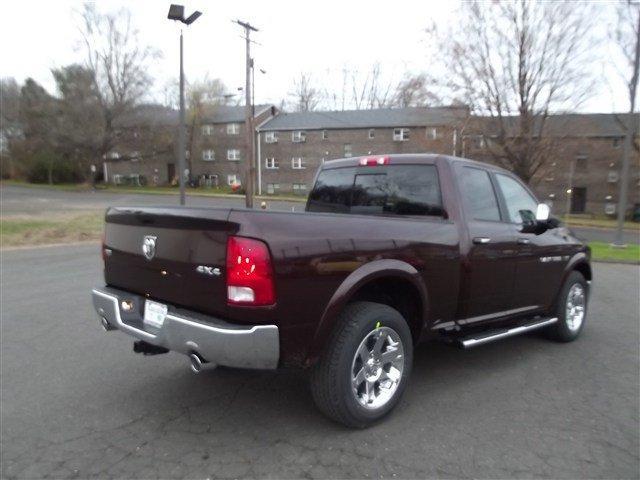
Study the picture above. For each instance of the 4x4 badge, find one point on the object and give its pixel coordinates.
(149, 246)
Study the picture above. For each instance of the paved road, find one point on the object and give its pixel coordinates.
(26, 200)
(31, 200)
(76, 402)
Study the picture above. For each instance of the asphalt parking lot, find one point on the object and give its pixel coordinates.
(78, 403)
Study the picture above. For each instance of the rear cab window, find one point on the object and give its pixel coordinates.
(478, 195)
(381, 190)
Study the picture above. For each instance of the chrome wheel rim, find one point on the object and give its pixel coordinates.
(576, 300)
(376, 369)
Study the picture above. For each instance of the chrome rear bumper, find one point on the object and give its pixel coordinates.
(214, 340)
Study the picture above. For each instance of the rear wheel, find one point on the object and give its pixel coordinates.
(365, 368)
(572, 309)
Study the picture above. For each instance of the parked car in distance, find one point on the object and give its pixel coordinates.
(391, 251)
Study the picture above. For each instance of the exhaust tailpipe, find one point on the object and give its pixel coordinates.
(106, 326)
(197, 363)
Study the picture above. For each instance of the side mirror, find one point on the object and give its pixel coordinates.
(542, 212)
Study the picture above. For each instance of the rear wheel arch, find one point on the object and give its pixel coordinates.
(362, 285)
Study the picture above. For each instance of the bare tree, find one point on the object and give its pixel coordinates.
(415, 91)
(626, 37)
(119, 65)
(305, 97)
(10, 124)
(203, 97)
(517, 62)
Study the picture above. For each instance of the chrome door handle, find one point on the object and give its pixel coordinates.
(481, 240)
(524, 241)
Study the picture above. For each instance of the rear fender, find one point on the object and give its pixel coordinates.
(357, 279)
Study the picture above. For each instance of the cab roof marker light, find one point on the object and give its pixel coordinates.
(373, 161)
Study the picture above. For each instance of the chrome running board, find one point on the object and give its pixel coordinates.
(480, 339)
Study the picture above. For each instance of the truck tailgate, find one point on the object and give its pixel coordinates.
(179, 240)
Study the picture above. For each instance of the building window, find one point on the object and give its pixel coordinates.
(612, 176)
(372, 133)
(297, 163)
(432, 133)
(232, 179)
(233, 128)
(347, 150)
(271, 137)
(300, 188)
(400, 134)
(581, 162)
(208, 155)
(271, 163)
(272, 188)
(207, 130)
(616, 143)
(325, 134)
(135, 156)
(233, 154)
(298, 136)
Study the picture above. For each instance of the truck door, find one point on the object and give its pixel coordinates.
(489, 264)
(540, 257)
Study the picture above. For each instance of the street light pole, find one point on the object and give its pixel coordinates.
(181, 132)
(176, 12)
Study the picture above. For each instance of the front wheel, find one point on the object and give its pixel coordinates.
(364, 370)
(572, 309)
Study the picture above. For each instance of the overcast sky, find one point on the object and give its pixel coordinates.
(321, 38)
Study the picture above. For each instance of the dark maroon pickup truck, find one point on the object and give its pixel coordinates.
(391, 251)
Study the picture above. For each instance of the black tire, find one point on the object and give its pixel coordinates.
(332, 376)
(561, 330)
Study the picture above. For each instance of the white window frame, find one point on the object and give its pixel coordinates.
(233, 129)
(271, 163)
(272, 188)
(348, 154)
(207, 130)
(233, 154)
(208, 155)
(232, 179)
(297, 163)
(400, 134)
(298, 136)
(431, 133)
(270, 137)
(371, 134)
(299, 187)
(325, 135)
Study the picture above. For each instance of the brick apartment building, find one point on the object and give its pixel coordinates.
(291, 146)
(146, 151)
(587, 159)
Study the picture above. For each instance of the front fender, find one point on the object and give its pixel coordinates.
(368, 272)
(579, 261)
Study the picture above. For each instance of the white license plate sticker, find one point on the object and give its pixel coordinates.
(154, 313)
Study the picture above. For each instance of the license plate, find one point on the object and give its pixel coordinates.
(154, 313)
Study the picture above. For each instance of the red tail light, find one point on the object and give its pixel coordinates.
(373, 161)
(249, 273)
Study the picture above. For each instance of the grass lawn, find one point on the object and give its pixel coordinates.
(23, 230)
(604, 251)
(598, 223)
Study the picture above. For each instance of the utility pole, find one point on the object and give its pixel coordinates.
(248, 113)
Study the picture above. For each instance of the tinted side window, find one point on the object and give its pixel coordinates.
(479, 197)
(520, 204)
(332, 191)
(396, 189)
